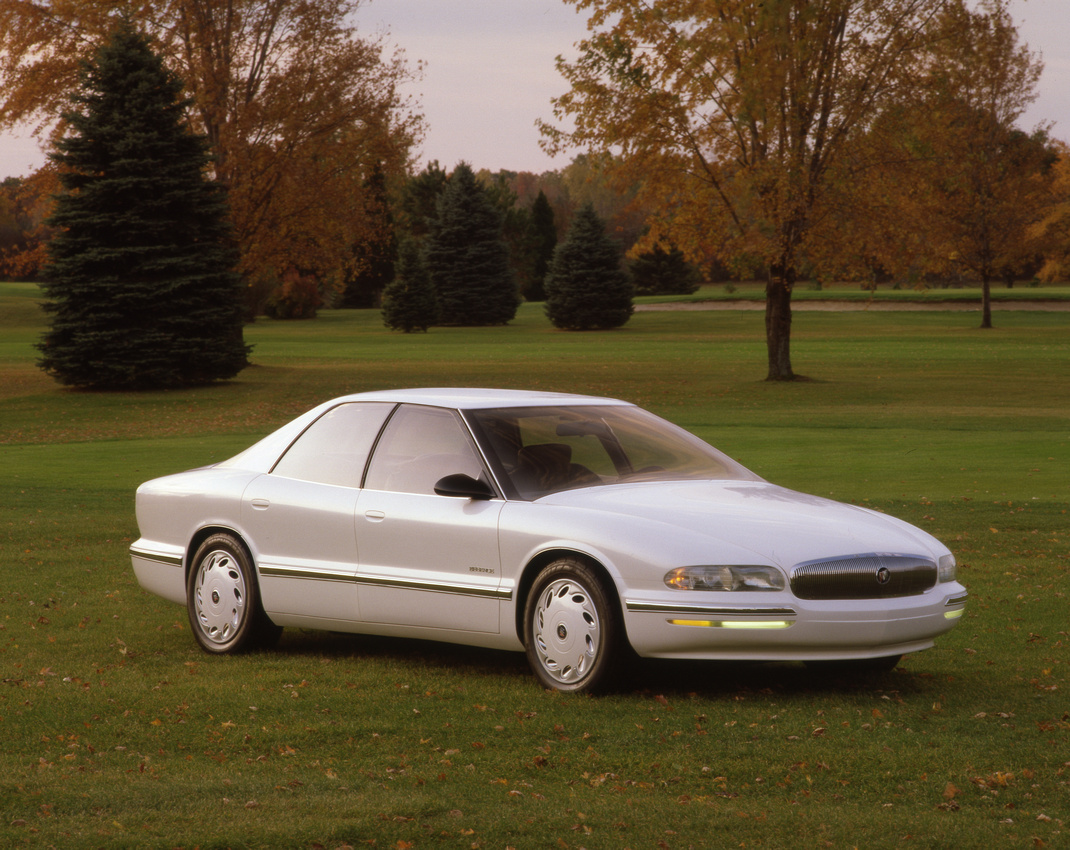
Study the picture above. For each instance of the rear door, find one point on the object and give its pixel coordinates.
(300, 517)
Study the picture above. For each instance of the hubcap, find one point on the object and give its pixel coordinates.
(566, 630)
(219, 597)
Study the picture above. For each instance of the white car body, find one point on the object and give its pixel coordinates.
(331, 554)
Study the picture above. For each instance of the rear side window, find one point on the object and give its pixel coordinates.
(334, 449)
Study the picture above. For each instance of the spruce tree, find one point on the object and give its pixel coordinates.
(409, 302)
(141, 287)
(586, 288)
(661, 272)
(373, 258)
(544, 240)
(467, 258)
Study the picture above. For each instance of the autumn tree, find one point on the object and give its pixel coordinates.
(24, 234)
(1052, 231)
(984, 200)
(586, 288)
(12, 227)
(140, 283)
(467, 257)
(734, 116)
(985, 181)
(599, 181)
(298, 108)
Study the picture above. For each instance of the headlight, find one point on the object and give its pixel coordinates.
(725, 578)
(946, 568)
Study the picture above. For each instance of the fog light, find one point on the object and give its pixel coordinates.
(733, 624)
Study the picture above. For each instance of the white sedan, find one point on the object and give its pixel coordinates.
(575, 528)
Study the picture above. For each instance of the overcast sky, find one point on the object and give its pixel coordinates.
(489, 75)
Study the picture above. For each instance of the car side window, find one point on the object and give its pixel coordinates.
(419, 446)
(334, 449)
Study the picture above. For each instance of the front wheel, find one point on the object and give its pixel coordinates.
(571, 628)
(223, 600)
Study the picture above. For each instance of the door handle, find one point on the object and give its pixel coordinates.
(261, 504)
(375, 516)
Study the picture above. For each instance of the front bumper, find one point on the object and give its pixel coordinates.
(668, 626)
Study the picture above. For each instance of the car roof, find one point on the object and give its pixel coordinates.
(263, 454)
(475, 398)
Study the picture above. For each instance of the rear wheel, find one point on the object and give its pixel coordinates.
(571, 628)
(223, 600)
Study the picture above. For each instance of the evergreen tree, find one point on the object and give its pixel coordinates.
(372, 264)
(140, 282)
(516, 225)
(586, 288)
(419, 199)
(661, 272)
(544, 239)
(409, 302)
(467, 259)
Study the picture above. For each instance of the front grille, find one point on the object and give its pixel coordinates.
(863, 577)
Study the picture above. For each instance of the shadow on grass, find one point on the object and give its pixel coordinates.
(706, 679)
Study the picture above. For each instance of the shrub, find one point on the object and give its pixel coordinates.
(661, 272)
(297, 297)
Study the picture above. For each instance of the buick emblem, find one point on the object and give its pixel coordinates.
(884, 575)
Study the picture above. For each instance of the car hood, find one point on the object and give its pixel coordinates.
(776, 524)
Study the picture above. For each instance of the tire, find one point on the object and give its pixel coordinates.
(223, 599)
(572, 628)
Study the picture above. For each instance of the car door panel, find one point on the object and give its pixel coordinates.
(427, 561)
(305, 546)
(300, 517)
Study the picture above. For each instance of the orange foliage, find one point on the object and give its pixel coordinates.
(297, 107)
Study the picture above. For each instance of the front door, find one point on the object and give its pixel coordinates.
(427, 561)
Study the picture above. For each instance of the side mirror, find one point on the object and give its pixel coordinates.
(464, 487)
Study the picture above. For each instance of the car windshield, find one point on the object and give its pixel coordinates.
(541, 450)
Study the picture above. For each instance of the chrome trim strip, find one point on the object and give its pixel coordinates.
(710, 610)
(504, 594)
(957, 600)
(304, 573)
(168, 560)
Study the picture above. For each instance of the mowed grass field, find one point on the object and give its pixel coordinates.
(115, 731)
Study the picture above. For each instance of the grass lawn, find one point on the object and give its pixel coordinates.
(853, 292)
(118, 732)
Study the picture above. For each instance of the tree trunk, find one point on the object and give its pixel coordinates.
(986, 303)
(778, 322)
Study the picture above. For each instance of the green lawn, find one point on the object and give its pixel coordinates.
(807, 291)
(118, 732)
